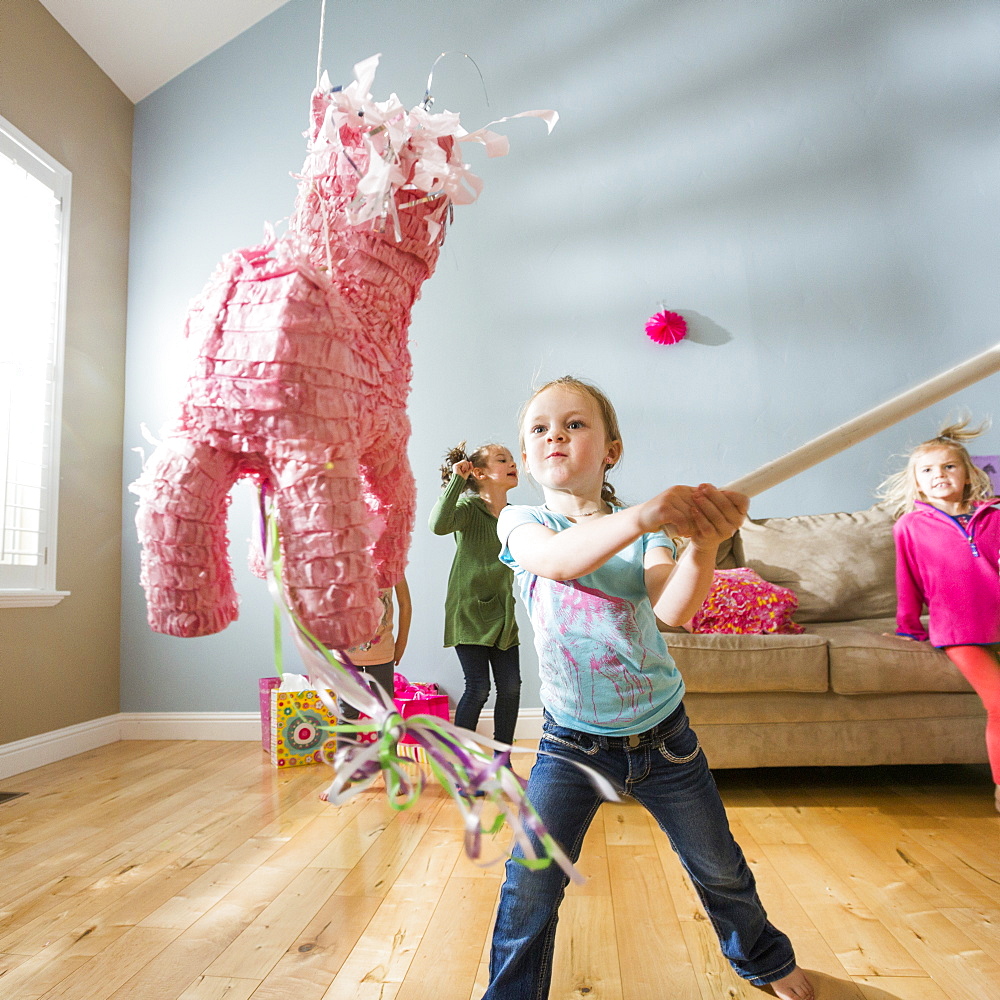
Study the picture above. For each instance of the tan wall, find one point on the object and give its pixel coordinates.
(59, 666)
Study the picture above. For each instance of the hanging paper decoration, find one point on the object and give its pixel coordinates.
(475, 771)
(303, 372)
(666, 327)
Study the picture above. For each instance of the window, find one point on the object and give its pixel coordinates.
(34, 207)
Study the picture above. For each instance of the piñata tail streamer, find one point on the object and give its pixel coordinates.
(473, 770)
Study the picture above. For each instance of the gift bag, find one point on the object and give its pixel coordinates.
(265, 686)
(299, 728)
(423, 704)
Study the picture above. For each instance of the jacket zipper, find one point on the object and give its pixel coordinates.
(969, 534)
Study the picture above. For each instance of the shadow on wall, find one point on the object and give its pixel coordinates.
(702, 330)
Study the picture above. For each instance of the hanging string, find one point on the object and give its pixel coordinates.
(319, 54)
(428, 101)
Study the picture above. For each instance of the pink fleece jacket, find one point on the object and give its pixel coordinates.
(952, 570)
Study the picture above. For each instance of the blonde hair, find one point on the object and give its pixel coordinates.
(900, 491)
(478, 458)
(608, 416)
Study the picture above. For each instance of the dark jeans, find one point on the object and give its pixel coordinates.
(476, 663)
(381, 672)
(666, 772)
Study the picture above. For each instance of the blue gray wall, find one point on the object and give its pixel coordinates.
(813, 185)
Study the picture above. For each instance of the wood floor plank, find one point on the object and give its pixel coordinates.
(655, 952)
(103, 910)
(439, 855)
(351, 843)
(187, 904)
(379, 867)
(256, 950)
(194, 871)
(191, 951)
(378, 963)
(482, 980)
(794, 916)
(457, 927)
(101, 976)
(35, 975)
(586, 962)
(890, 988)
(948, 956)
(314, 958)
(17, 911)
(979, 925)
(212, 988)
(626, 824)
(863, 946)
(936, 878)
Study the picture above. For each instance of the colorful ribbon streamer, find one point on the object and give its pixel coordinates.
(473, 770)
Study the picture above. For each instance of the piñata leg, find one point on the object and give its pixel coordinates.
(325, 534)
(390, 483)
(183, 503)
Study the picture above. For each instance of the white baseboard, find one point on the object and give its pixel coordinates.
(47, 748)
(529, 724)
(190, 726)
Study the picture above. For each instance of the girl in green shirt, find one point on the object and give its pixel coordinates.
(479, 607)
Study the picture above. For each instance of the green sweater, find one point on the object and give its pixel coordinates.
(479, 608)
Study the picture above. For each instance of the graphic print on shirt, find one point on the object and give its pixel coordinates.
(385, 596)
(590, 641)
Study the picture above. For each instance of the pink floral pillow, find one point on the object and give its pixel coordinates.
(741, 601)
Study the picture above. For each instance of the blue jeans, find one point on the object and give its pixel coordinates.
(476, 663)
(666, 772)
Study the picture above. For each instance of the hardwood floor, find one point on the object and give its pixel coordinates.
(195, 871)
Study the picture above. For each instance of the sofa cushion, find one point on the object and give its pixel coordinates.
(747, 663)
(730, 554)
(865, 661)
(841, 566)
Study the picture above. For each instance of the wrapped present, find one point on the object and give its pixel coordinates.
(300, 728)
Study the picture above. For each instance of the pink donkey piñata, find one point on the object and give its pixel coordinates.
(303, 373)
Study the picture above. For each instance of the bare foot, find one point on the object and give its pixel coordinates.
(324, 796)
(794, 986)
(996, 798)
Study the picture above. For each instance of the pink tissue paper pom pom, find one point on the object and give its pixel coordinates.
(666, 327)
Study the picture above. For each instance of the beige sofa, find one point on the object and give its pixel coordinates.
(843, 692)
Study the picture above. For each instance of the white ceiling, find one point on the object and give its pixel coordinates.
(141, 44)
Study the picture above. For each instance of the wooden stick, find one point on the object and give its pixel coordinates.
(883, 416)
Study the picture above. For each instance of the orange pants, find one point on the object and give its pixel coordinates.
(980, 666)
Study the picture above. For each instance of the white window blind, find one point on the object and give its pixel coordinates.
(34, 226)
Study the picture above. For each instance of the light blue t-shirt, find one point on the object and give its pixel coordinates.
(604, 665)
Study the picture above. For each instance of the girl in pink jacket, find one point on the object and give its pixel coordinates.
(947, 550)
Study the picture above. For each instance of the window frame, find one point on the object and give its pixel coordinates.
(15, 145)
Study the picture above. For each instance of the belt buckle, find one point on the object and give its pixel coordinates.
(633, 741)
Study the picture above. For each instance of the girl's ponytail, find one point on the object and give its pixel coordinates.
(478, 458)
(956, 434)
(452, 457)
